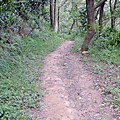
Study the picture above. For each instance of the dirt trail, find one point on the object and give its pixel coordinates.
(69, 89)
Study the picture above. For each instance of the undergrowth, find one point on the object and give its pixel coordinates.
(78, 40)
(106, 47)
(104, 53)
(20, 65)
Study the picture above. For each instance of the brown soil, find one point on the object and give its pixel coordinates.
(70, 92)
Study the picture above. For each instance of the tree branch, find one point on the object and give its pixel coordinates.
(115, 4)
(99, 4)
(62, 4)
(111, 9)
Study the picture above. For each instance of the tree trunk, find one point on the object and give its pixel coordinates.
(99, 4)
(55, 17)
(74, 10)
(58, 19)
(52, 14)
(112, 9)
(71, 26)
(90, 25)
(58, 15)
(101, 17)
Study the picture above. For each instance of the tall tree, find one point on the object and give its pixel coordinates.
(90, 25)
(90, 8)
(53, 18)
(112, 10)
(52, 14)
(101, 9)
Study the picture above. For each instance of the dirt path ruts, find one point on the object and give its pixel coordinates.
(69, 89)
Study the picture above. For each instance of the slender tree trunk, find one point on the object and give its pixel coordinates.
(58, 19)
(42, 5)
(53, 18)
(90, 24)
(97, 13)
(99, 4)
(55, 21)
(112, 17)
(112, 9)
(52, 14)
(101, 16)
(58, 14)
(71, 26)
(74, 10)
(54, 10)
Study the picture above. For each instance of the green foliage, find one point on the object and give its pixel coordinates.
(20, 65)
(20, 58)
(65, 23)
(76, 13)
(115, 95)
(106, 47)
(78, 36)
(14, 13)
(98, 69)
(83, 16)
(4, 2)
(78, 42)
(110, 37)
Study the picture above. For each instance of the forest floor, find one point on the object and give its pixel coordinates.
(70, 91)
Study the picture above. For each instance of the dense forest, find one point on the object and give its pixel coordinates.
(30, 29)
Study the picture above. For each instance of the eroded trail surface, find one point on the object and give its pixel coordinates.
(69, 89)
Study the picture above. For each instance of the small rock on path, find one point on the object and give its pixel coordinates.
(69, 89)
